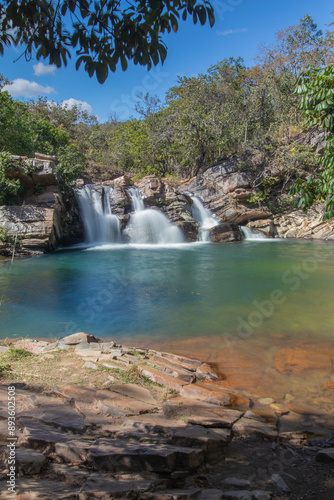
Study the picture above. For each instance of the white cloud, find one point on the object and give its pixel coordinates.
(70, 103)
(41, 69)
(23, 88)
(231, 32)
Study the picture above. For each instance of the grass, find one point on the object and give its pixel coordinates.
(57, 367)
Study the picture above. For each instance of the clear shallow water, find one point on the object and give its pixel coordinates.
(175, 292)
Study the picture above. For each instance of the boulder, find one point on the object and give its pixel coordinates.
(225, 233)
(77, 338)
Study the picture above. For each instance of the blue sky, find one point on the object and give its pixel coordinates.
(241, 25)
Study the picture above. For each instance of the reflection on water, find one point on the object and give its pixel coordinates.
(236, 305)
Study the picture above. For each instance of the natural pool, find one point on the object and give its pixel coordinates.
(235, 305)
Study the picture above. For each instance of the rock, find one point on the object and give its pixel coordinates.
(40, 227)
(205, 372)
(238, 495)
(136, 392)
(37, 434)
(73, 476)
(173, 370)
(266, 401)
(189, 229)
(161, 378)
(74, 450)
(280, 483)
(211, 494)
(325, 455)
(299, 360)
(253, 424)
(120, 487)
(77, 392)
(123, 456)
(241, 215)
(29, 461)
(225, 233)
(77, 338)
(262, 495)
(201, 413)
(237, 482)
(212, 441)
(33, 346)
(33, 489)
(216, 397)
(54, 413)
(266, 226)
(194, 494)
(181, 360)
(129, 404)
(90, 366)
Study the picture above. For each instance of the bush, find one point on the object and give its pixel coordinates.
(10, 189)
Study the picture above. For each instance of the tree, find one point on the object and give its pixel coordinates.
(316, 88)
(298, 47)
(103, 33)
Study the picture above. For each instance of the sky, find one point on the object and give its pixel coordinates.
(241, 26)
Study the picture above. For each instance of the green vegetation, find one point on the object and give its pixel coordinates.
(103, 33)
(316, 88)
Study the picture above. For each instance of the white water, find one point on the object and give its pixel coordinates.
(100, 224)
(148, 226)
(251, 235)
(204, 217)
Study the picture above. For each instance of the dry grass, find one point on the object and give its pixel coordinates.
(57, 367)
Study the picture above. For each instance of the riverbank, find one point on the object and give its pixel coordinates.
(112, 421)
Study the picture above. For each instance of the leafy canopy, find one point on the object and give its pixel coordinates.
(316, 88)
(102, 33)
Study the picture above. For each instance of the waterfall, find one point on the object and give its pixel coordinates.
(100, 225)
(150, 226)
(204, 217)
(252, 235)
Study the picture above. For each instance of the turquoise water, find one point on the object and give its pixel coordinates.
(177, 292)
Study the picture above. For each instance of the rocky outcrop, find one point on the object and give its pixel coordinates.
(35, 224)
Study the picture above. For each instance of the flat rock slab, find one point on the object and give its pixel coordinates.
(38, 434)
(58, 415)
(162, 378)
(73, 476)
(201, 413)
(32, 489)
(76, 392)
(120, 487)
(173, 370)
(181, 359)
(136, 392)
(115, 455)
(212, 441)
(200, 393)
(193, 494)
(252, 424)
(128, 405)
(32, 346)
(211, 494)
(29, 461)
(74, 450)
(326, 455)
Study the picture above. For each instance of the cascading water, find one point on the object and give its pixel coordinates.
(149, 226)
(204, 217)
(250, 235)
(100, 225)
